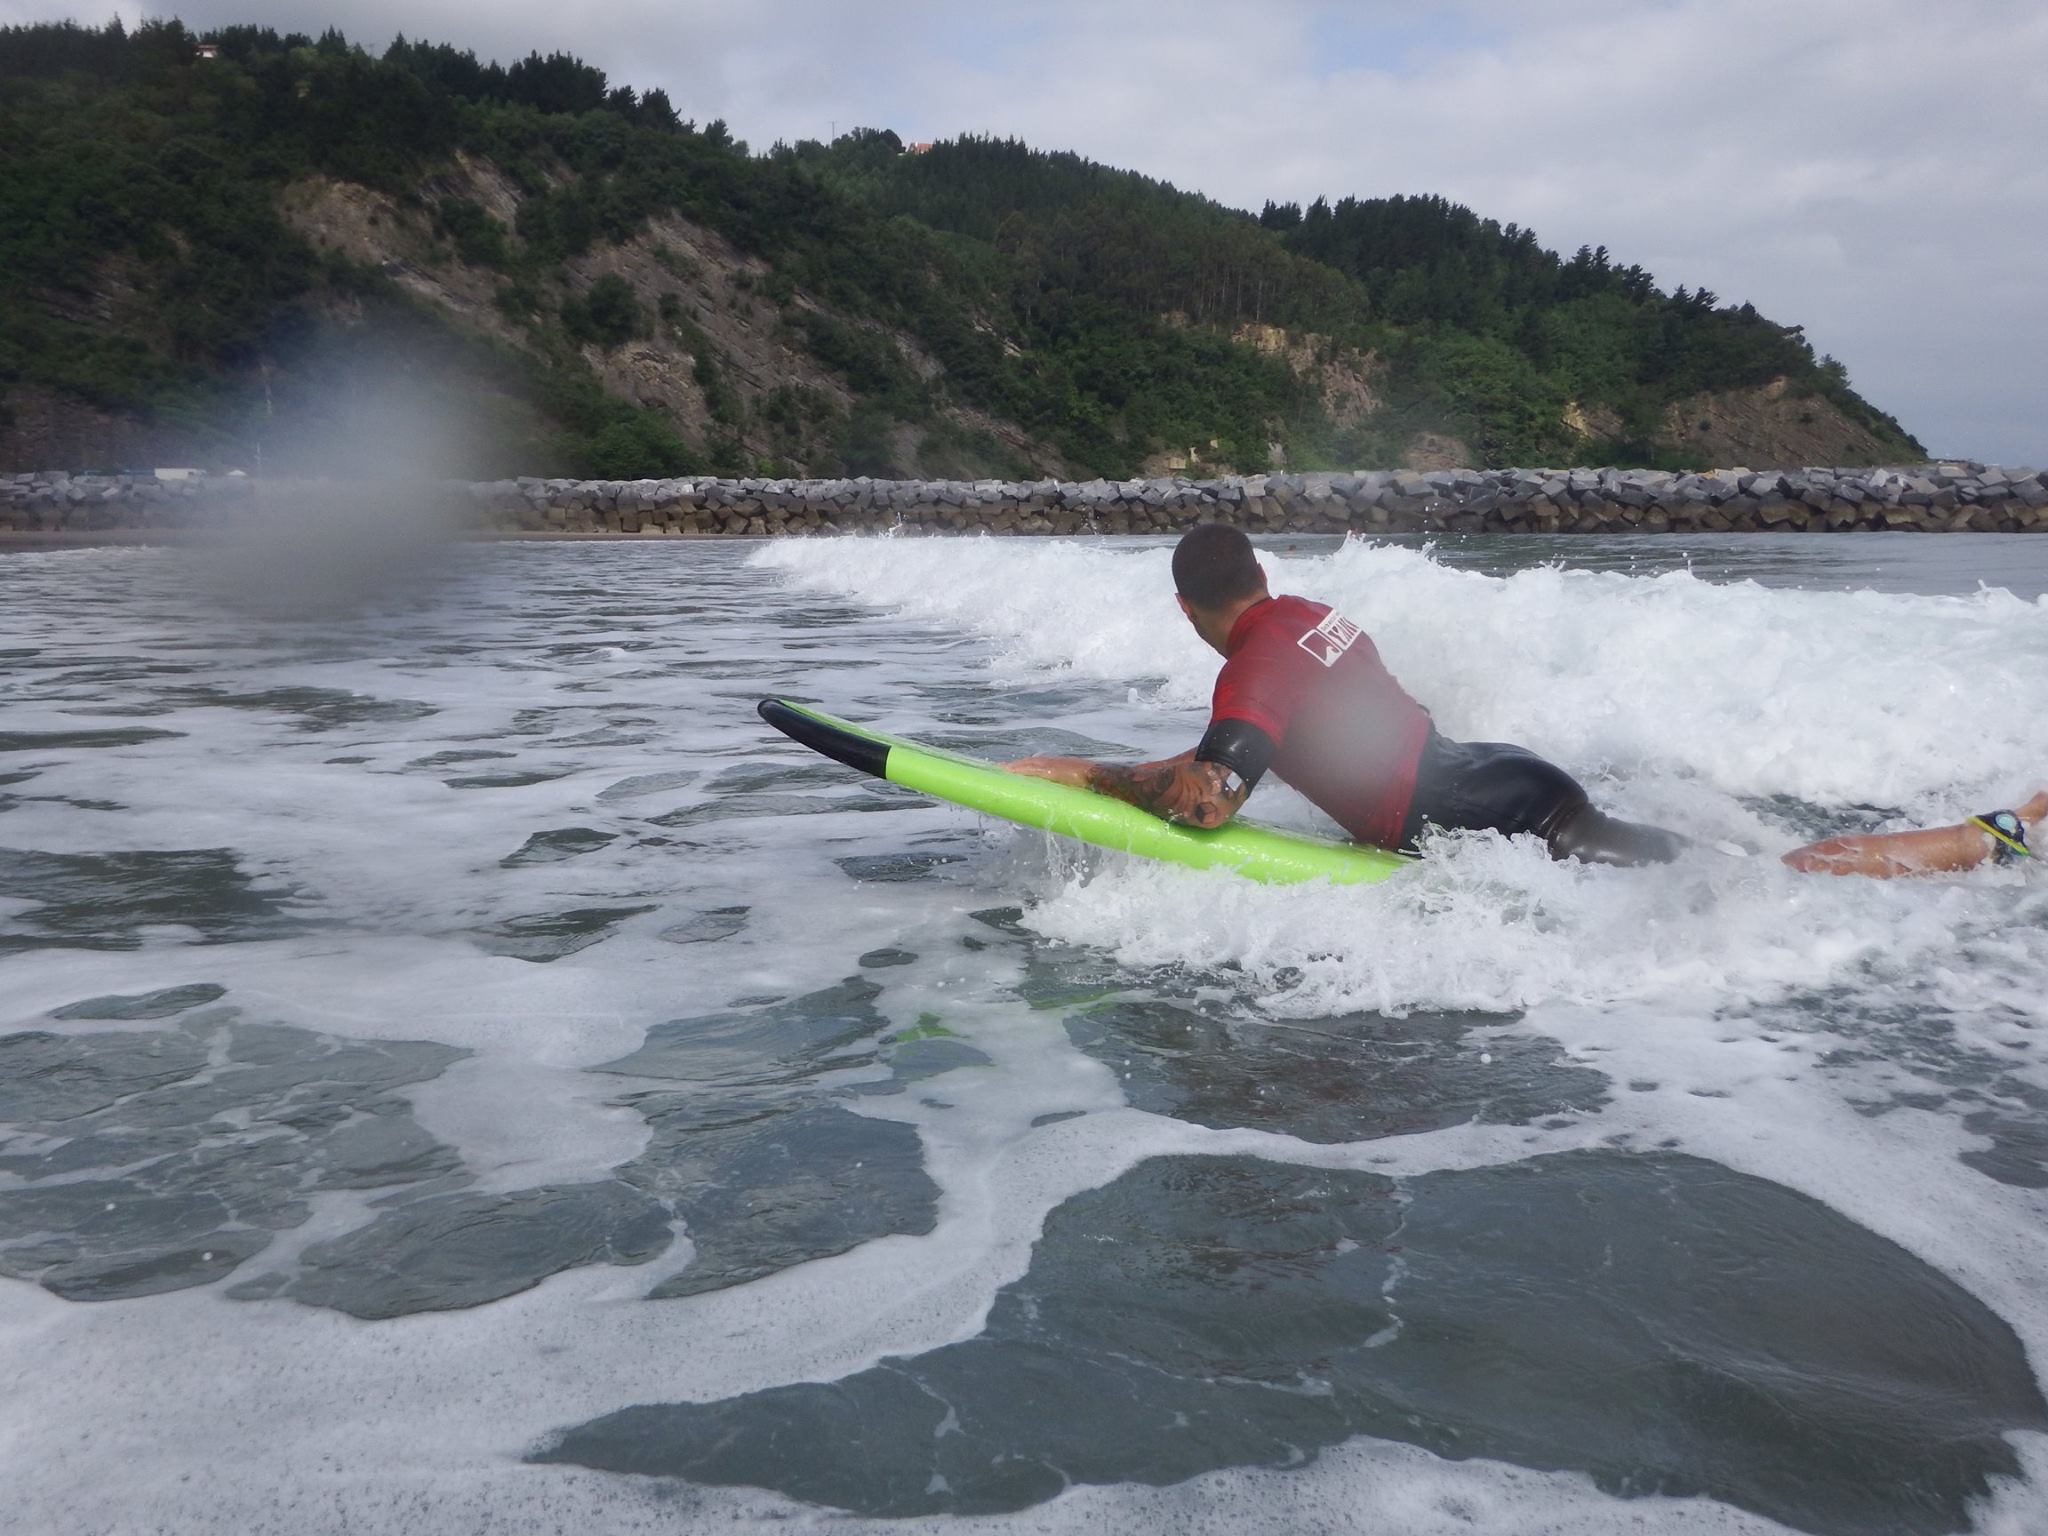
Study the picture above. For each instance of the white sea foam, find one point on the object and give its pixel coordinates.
(1834, 697)
(1722, 989)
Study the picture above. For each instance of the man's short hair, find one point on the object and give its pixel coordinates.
(1214, 566)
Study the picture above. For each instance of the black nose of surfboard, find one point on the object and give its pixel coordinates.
(826, 736)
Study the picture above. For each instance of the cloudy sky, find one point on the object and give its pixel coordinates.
(1876, 170)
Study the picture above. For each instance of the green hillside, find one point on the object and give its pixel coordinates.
(208, 245)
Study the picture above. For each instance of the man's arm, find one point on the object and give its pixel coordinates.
(1175, 788)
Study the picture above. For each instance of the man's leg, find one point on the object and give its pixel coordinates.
(1495, 786)
(1593, 837)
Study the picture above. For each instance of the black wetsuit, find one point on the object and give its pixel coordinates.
(1491, 785)
(1303, 692)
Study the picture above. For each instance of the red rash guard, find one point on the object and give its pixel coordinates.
(1347, 735)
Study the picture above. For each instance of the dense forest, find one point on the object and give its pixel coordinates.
(1021, 309)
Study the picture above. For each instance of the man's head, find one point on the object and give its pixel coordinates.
(1217, 577)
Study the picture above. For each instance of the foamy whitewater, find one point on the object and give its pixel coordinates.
(459, 1070)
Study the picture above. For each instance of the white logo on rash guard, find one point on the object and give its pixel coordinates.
(1330, 639)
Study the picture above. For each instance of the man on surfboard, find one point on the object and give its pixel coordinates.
(1303, 693)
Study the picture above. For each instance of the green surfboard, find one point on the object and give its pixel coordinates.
(1248, 849)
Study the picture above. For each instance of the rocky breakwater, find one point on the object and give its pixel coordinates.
(1945, 497)
(59, 503)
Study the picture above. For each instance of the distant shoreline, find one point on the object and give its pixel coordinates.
(61, 510)
(159, 538)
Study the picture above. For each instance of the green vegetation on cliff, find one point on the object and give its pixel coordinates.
(1005, 308)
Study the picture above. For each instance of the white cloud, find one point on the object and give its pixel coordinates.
(1869, 168)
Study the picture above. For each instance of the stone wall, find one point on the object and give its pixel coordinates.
(1947, 497)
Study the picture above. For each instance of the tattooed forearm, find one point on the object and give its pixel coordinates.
(1178, 789)
(1197, 794)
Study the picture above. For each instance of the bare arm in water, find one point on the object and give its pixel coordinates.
(1936, 850)
(1175, 788)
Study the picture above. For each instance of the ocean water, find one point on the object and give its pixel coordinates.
(459, 1070)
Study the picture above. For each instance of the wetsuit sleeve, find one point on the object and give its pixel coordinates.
(1239, 746)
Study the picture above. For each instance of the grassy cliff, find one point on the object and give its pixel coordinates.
(212, 257)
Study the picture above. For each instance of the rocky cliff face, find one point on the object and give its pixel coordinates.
(718, 356)
(713, 282)
(714, 351)
(715, 355)
(45, 428)
(1769, 425)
